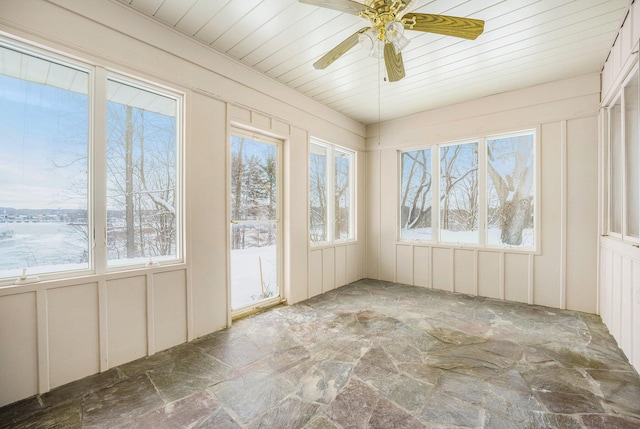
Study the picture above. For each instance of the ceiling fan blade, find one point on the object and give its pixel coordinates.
(345, 6)
(467, 28)
(393, 61)
(339, 50)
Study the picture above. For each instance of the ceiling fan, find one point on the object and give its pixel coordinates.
(385, 37)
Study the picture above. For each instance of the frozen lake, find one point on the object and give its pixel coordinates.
(41, 245)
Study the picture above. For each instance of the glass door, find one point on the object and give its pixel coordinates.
(255, 225)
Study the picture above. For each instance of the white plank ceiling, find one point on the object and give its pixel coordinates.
(525, 42)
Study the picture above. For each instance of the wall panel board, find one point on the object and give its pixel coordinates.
(490, 274)
(516, 277)
(582, 224)
(421, 266)
(315, 272)
(18, 347)
(465, 271)
(126, 319)
(207, 227)
(441, 265)
(73, 333)
(404, 264)
(341, 265)
(170, 309)
(547, 263)
(328, 269)
(634, 349)
(352, 263)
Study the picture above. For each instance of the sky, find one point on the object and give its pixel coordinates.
(41, 127)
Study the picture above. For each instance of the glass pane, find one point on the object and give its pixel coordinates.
(415, 195)
(459, 193)
(254, 272)
(253, 180)
(342, 172)
(615, 169)
(318, 193)
(44, 134)
(632, 156)
(141, 175)
(510, 191)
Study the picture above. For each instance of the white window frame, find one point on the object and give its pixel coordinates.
(96, 164)
(157, 89)
(482, 193)
(330, 204)
(620, 98)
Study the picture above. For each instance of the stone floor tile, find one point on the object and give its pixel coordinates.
(290, 413)
(605, 421)
(65, 416)
(83, 387)
(189, 372)
(621, 390)
(530, 420)
(323, 382)
(252, 394)
(566, 403)
(120, 403)
(354, 405)
(404, 391)
(447, 411)
(321, 422)
(19, 411)
(387, 415)
(189, 412)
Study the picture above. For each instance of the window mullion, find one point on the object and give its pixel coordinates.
(98, 171)
(435, 194)
(482, 191)
(331, 192)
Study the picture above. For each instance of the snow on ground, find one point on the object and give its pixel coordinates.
(246, 285)
(468, 237)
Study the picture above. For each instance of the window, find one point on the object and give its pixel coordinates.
(510, 191)
(415, 195)
(44, 135)
(53, 206)
(141, 174)
(624, 161)
(331, 196)
(459, 193)
(486, 192)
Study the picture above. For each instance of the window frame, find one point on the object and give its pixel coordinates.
(178, 97)
(98, 77)
(483, 227)
(611, 169)
(331, 150)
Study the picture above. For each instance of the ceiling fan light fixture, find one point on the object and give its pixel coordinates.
(369, 41)
(394, 30)
(394, 33)
(400, 44)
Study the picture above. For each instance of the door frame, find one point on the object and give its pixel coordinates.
(261, 137)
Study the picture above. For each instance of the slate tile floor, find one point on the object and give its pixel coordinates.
(368, 355)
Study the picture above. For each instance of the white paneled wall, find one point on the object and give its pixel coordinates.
(58, 331)
(562, 272)
(619, 262)
(333, 266)
(620, 295)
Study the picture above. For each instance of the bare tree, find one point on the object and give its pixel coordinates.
(318, 197)
(416, 201)
(458, 207)
(510, 168)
